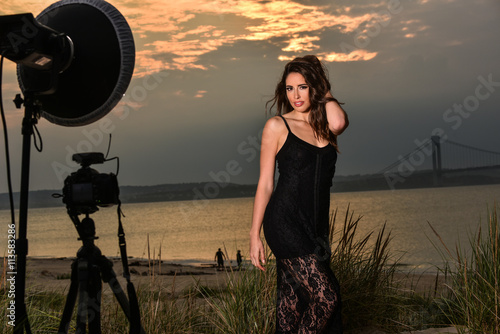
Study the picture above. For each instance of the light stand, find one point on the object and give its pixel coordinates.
(73, 69)
(31, 112)
(48, 53)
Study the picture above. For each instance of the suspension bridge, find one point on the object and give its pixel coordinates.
(443, 160)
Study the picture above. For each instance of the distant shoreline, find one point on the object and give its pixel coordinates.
(213, 190)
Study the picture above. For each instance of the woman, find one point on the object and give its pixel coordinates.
(302, 139)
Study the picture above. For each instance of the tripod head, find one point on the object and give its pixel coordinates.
(86, 230)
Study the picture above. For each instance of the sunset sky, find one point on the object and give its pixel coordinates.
(204, 70)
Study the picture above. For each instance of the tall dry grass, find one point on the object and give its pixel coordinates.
(246, 305)
(472, 302)
(365, 269)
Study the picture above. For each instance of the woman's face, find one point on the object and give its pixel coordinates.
(297, 92)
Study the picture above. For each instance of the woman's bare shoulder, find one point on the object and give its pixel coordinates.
(275, 123)
(274, 130)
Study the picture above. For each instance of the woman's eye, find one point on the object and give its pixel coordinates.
(288, 89)
(303, 87)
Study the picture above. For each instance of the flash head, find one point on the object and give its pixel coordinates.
(87, 159)
(27, 42)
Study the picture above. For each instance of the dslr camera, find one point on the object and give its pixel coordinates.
(86, 189)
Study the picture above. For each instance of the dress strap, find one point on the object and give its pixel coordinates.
(284, 120)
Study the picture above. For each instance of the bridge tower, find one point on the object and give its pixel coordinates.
(436, 160)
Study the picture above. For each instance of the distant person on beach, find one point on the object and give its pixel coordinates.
(239, 258)
(219, 257)
(302, 140)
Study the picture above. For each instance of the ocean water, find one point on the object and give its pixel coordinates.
(192, 231)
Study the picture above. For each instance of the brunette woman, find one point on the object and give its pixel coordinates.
(302, 140)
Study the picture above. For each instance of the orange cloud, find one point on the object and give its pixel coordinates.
(356, 55)
(299, 44)
(178, 33)
(30, 6)
(200, 94)
(175, 34)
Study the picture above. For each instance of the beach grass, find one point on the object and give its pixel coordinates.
(366, 272)
(373, 297)
(43, 308)
(246, 305)
(472, 301)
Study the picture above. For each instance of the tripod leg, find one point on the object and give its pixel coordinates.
(120, 295)
(94, 306)
(122, 299)
(81, 317)
(109, 277)
(70, 300)
(89, 306)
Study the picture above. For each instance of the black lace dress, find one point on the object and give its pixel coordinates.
(296, 227)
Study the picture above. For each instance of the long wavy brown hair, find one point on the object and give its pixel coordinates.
(316, 76)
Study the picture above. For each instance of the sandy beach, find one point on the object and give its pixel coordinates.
(53, 274)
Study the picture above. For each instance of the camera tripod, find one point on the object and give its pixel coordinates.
(87, 270)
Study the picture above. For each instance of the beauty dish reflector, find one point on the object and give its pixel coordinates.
(101, 67)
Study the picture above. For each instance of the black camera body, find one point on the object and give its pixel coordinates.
(86, 189)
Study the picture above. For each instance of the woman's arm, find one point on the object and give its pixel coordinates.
(269, 148)
(337, 117)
